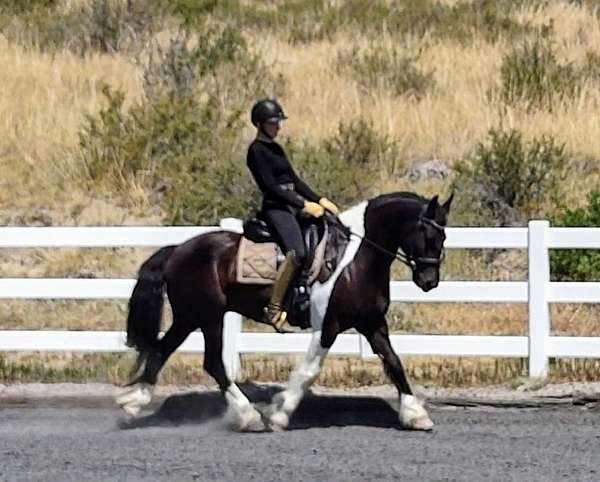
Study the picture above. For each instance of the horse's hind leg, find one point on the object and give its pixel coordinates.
(412, 413)
(242, 415)
(140, 394)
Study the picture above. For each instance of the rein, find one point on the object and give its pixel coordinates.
(408, 260)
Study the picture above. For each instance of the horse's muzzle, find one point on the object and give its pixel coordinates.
(428, 285)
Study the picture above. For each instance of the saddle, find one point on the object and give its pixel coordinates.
(259, 256)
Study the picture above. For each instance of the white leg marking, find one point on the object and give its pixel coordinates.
(134, 399)
(413, 415)
(241, 414)
(302, 378)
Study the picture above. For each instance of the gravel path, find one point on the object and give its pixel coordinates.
(74, 432)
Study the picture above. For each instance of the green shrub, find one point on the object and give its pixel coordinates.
(531, 75)
(190, 13)
(572, 264)
(591, 68)
(303, 21)
(342, 165)
(460, 21)
(101, 25)
(184, 152)
(20, 7)
(387, 69)
(592, 5)
(359, 144)
(113, 25)
(190, 155)
(199, 57)
(181, 143)
(116, 25)
(507, 179)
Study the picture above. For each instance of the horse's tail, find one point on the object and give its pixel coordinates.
(146, 303)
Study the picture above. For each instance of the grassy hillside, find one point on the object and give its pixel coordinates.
(125, 113)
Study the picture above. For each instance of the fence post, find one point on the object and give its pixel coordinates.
(233, 321)
(539, 315)
(365, 348)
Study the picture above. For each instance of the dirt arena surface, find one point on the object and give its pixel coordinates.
(75, 432)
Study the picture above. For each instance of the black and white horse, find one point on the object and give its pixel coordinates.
(199, 277)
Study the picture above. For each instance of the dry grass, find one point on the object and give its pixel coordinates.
(43, 101)
(338, 371)
(447, 122)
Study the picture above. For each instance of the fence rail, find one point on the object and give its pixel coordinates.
(538, 292)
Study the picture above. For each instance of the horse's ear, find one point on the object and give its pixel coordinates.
(432, 207)
(448, 202)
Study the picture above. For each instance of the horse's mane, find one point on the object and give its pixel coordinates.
(383, 199)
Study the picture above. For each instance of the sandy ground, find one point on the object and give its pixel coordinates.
(529, 390)
(75, 432)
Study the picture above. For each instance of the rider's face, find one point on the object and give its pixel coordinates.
(272, 128)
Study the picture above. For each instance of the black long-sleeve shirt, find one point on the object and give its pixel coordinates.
(271, 169)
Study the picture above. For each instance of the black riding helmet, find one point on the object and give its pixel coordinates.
(266, 110)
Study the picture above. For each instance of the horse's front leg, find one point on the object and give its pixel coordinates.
(412, 413)
(303, 376)
(241, 413)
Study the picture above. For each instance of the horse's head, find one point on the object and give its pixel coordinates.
(423, 243)
(416, 225)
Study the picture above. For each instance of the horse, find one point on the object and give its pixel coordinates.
(199, 278)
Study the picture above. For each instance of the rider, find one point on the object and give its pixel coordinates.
(284, 196)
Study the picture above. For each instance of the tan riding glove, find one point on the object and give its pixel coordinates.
(313, 209)
(327, 204)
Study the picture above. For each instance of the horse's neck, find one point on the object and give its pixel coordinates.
(380, 219)
(372, 262)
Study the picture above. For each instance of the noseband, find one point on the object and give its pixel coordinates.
(414, 261)
(411, 261)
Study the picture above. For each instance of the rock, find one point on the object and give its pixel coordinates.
(435, 169)
(584, 166)
(85, 273)
(39, 217)
(508, 265)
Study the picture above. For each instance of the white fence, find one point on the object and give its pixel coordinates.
(538, 292)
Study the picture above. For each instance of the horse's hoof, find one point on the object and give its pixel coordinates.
(132, 410)
(133, 400)
(246, 420)
(413, 415)
(420, 423)
(279, 421)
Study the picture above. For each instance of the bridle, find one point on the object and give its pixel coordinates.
(408, 259)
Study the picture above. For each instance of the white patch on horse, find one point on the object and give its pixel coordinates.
(236, 397)
(286, 402)
(305, 374)
(321, 292)
(412, 414)
(135, 398)
(241, 414)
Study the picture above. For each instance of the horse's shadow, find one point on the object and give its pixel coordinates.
(314, 410)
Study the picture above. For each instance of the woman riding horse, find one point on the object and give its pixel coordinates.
(285, 195)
